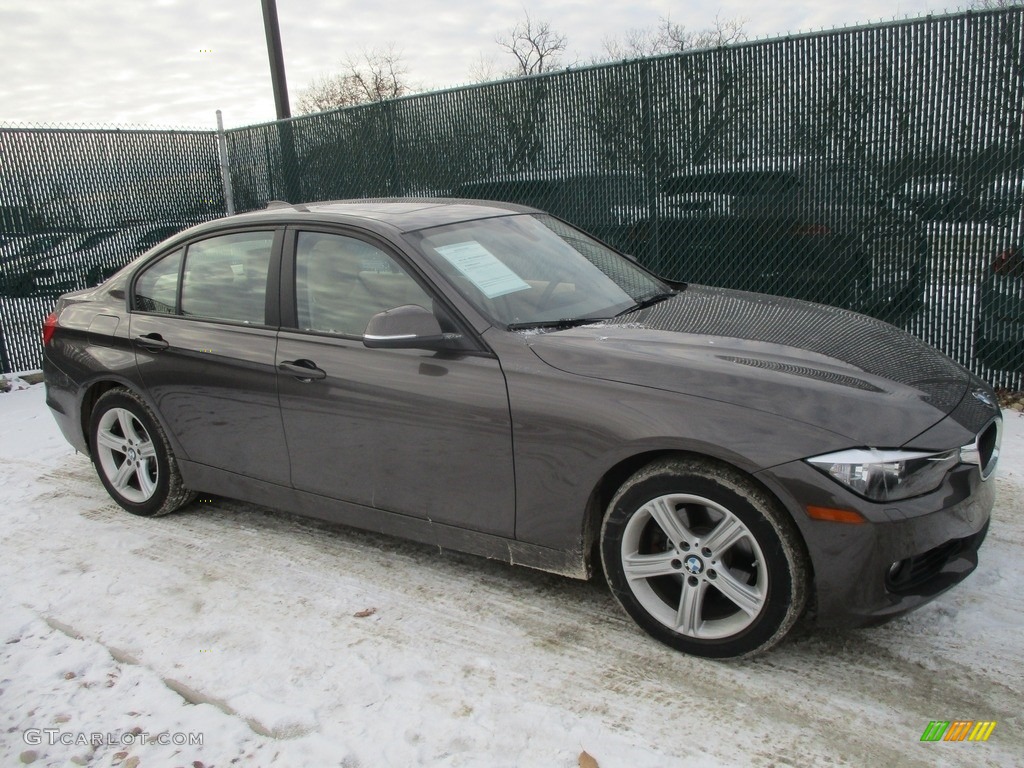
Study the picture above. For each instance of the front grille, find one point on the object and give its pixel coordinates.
(988, 448)
(984, 451)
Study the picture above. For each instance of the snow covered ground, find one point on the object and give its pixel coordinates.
(283, 642)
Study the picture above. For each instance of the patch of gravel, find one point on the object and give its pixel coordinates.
(1010, 400)
(12, 382)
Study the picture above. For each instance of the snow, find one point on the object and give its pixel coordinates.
(12, 382)
(239, 625)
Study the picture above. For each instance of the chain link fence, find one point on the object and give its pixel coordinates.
(879, 168)
(76, 205)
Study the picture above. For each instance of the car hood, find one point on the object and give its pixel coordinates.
(838, 370)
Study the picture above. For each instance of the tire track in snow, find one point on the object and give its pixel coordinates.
(836, 697)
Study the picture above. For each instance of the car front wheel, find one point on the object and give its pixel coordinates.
(704, 559)
(132, 456)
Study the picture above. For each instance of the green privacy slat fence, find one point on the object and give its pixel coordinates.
(76, 205)
(879, 168)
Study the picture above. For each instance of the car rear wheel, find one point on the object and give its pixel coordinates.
(132, 456)
(704, 559)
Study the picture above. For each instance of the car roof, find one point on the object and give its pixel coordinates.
(404, 214)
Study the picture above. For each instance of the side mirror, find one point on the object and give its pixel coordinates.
(407, 327)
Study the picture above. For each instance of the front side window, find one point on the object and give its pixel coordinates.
(225, 277)
(341, 282)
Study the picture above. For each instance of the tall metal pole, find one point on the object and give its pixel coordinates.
(225, 169)
(276, 59)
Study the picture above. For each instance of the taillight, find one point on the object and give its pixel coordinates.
(49, 326)
(1008, 262)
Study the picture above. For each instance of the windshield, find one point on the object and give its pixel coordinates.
(532, 270)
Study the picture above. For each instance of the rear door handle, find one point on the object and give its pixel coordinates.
(303, 370)
(154, 342)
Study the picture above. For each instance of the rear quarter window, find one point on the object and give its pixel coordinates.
(156, 289)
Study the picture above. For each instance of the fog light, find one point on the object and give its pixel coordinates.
(894, 570)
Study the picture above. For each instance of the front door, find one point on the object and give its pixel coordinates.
(408, 431)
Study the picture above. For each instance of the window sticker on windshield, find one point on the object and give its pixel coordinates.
(483, 268)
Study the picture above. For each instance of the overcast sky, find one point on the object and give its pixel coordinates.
(175, 62)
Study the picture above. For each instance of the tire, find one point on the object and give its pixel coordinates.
(704, 559)
(132, 456)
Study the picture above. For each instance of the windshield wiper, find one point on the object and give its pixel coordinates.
(565, 322)
(649, 301)
(572, 322)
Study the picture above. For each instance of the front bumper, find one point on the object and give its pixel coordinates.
(906, 554)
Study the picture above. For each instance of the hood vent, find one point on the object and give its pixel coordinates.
(809, 373)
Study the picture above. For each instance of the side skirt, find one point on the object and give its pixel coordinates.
(200, 477)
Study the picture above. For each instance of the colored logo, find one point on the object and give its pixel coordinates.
(958, 730)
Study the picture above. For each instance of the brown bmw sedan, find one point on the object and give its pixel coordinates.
(486, 378)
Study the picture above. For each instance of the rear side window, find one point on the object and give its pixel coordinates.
(225, 277)
(156, 290)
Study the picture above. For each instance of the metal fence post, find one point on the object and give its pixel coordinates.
(5, 360)
(225, 168)
(394, 183)
(289, 162)
(651, 180)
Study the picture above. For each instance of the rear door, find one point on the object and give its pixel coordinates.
(204, 328)
(409, 431)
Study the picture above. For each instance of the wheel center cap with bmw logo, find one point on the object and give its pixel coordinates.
(694, 565)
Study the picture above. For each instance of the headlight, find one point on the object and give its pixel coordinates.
(887, 475)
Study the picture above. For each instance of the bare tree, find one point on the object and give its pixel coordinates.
(722, 32)
(376, 74)
(635, 44)
(484, 70)
(669, 37)
(535, 46)
(708, 96)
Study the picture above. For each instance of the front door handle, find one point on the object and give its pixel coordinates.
(154, 342)
(303, 370)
